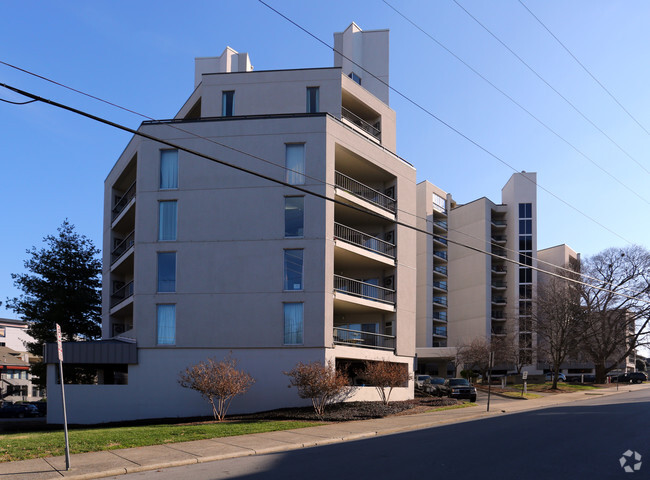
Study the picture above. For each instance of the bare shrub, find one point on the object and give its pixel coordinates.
(217, 382)
(323, 384)
(385, 376)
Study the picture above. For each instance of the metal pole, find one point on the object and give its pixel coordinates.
(65, 420)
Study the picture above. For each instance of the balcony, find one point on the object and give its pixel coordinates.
(122, 248)
(440, 331)
(499, 331)
(439, 316)
(358, 338)
(499, 269)
(499, 223)
(441, 224)
(121, 294)
(499, 285)
(367, 291)
(440, 270)
(441, 254)
(364, 192)
(363, 240)
(439, 343)
(499, 300)
(439, 301)
(122, 202)
(440, 239)
(440, 286)
(499, 239)
(498, 315)
(373, 130)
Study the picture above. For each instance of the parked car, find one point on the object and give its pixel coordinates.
(560, 377)
(419, 381)
(632, 377)
(18, 410)
(460, 388)
(435, 386)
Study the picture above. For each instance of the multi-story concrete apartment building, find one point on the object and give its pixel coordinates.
(464, 293)
(15, 378)
(202, 260)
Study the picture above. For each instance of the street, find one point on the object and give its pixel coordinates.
(578, 440)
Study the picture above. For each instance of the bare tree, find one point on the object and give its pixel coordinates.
(556, 319)
(385, 376)
(323, 384)
(217, 382)
(475, 355)
(616, 308)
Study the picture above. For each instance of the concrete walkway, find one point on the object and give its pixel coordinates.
(130, 460)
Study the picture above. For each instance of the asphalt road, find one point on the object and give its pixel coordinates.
(576, 441)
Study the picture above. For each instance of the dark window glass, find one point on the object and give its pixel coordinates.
(167, 271)
(525, 210)
(525, 308)
(525, 291)
(525, 227)
(526, 258)
(294, 216)
(355, 77)
(293, 269)
(525, 242)
(312, 99)
(525, 275)
(228, 103)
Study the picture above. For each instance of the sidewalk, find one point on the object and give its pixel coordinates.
(130, 460)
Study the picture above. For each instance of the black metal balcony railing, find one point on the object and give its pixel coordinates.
(121, 294)
(123, 201)
(499, 331)
(122, 248)
(440, 254)
(440, 239)
(358, 338)
(440, 316)
(499, 268)
(365, 290)
(356, 120)
(499, 284)
(499, 238)
(439, 343)
(498, 251)
(497, 315)
(440, 300)
(440, 331)
(363, 191)
(498, 300)
(440, 223)
(440, 285)
(441, 269)
(364, 240)
(499, 223)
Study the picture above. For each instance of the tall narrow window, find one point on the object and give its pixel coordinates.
(228, 103)
(355, 77)
(294, 216)
(293, 269)
(313, 100)
(293, 323)
(167, 220)
(166, 319)
(166, 271)
(168, 169)
(295, 163)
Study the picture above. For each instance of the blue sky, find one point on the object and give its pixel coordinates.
(140, 55)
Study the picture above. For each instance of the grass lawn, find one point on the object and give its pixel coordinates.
(453, 407)
(561, 387)
(23, 446)
(526, 395)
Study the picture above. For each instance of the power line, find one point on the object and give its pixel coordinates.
(515, 102)
(585, 68)
(296, 187)
(16, 103)
(449, 126)
(577, 110)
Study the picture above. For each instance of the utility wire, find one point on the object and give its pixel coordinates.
(584, 68)
(299, 188)
(534, 117)
(577, 110)
(16, 103)
(449, 126)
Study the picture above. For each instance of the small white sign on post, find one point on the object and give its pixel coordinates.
(59, 344)
(524, 376)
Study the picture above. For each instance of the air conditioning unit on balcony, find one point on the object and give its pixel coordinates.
(389, 236)
(389, 282)
(118, 328)
(390, 192)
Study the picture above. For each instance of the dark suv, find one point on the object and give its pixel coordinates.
(460, 388)
(435, 386)
(632, 377)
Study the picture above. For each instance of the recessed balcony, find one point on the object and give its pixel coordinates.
(440, 255)
(498, 315)
(354, 190)
(440, 225)
(439, 301)
(363, 294)
(499, 331)
(499, 223)
(361, 339)
(440, 270)
(121, 294)
(371, 129)
(439, 316)
(360, 243)
(499, 269)
(124, 247)
(440, 332)
(124, 201)
(498, 285)
(499, 300)
(439, 240)
(500, 239)
(440, 286)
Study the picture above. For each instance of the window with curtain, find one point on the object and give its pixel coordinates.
(167, 220)
(295, 163)
(293, 269)
(294, 216)
(228, 103)
(312, 99)
(166, 271)
(166, 324)
(168, 169)
(293, 323)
